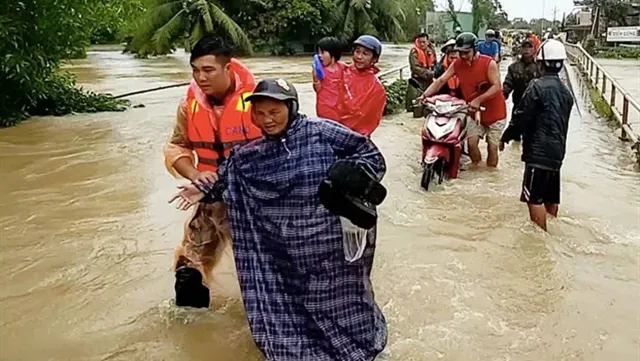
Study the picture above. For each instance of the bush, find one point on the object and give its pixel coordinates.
(58, 96)
(618, 53)
(34, 36)
(396, 93)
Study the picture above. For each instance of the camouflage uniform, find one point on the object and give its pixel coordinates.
(423, 75)
(519, 75)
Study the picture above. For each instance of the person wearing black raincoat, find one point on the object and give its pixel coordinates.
(542, 119)
(307, 295)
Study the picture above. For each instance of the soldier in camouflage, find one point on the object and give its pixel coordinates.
(521, 73)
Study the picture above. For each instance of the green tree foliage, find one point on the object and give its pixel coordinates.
(275, 25)
(34, 36)
(271, 24)
(113, 20)
(519, 23)
(537, 25)
(170, 22)
(414, 11)
(489, 13)
(615, 10)
(382, 18)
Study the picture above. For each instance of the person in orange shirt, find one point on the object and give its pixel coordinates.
(213, 118)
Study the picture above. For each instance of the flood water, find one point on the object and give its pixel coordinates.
(87, 241)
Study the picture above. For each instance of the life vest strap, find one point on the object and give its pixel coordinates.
(206, 145)
(217, 145)
(209, 161)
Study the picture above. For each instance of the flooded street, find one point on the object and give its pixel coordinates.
(87, 241)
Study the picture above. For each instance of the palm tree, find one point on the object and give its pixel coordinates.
(171, 22)
(380, 17)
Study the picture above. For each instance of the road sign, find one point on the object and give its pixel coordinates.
(624, 34)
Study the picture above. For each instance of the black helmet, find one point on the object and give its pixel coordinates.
(278, 89)
(466, 42)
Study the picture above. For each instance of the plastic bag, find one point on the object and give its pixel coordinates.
(354, 240)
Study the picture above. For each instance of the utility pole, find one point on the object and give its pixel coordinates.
(542, 20)
(555, 11)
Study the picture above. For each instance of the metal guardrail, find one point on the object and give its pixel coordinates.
(600, 78)
(399, 70)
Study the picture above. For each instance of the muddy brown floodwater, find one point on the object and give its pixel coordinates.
(87, 240)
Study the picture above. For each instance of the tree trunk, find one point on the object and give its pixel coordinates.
(477, 15)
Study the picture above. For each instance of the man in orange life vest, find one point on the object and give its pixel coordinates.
(422, 60)
(214, 117)
(479, 81)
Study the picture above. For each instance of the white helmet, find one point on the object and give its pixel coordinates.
(490, 32)
(450, 42)
(551, 50)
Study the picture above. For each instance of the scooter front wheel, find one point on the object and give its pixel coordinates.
(430, 171)
(428, 174)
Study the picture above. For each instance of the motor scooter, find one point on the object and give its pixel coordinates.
(443, 134)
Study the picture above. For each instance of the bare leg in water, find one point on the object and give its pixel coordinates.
(474, 150)
(552, 209)
(538, 214)
(492, 155)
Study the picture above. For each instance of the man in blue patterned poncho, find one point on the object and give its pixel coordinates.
(304, 301)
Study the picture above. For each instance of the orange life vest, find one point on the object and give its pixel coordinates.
(453, 82)
(426, 58)
(213, 137)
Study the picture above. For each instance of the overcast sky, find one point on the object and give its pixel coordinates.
(527, 9)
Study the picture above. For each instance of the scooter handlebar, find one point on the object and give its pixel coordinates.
(420, 101)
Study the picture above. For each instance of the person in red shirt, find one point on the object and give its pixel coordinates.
(363, 96)
(534, 39)
(480, 84)
(328, 88)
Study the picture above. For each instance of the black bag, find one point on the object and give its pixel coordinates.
(351, 192)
